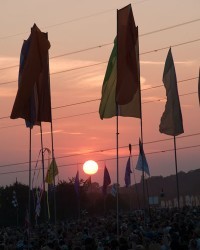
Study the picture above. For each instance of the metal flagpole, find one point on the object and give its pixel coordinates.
(29, 194)
(53, 158)
(43, 176)
(117, 141)
(136, 190)
(177, 183)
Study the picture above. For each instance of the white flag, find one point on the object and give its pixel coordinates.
(142, 164)
(171, 120)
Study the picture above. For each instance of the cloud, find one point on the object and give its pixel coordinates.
(49, 132)
(189, 63)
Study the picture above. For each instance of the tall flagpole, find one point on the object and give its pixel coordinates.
(117, 139)
(53, 158)
(53, 155)
(136, 190)
(177, 183)
(29, 194)
(141, 129)
(43, 178)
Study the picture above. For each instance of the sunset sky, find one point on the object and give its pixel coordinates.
(73, 26)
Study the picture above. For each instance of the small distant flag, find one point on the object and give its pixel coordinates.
(142, 164)
(106, 181)
(128, 172)
(38, 206)
(76, 183)
(114, 189)
(14, 200)
(51, 172)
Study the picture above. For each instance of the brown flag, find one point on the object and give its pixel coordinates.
(128, 72)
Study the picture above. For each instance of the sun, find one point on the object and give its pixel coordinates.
(90, 167)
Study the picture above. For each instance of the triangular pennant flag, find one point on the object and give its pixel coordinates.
(106, 181)
(128, 172)
(51, 172)
(171, 120)
(114, 190)
(142, 164)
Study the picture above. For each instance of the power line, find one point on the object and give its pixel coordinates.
(105, 150)
(58, 24)
(100, 63)
(172, 46)
(170, 27)
(108, 159)
(107, 44)
(93, 100)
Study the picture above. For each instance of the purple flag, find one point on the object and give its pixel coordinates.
(128, 172)
(106, 181)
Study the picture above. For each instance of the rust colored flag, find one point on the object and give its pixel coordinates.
(33, 94)
(128, 72)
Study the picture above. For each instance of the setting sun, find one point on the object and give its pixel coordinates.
(90, 167)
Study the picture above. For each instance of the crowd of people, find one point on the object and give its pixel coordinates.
(157, 229)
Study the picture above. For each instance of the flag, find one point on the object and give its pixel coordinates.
(14, 200)
(171, 120)
(107, 108)
(76, 183)
(128, 172)
(106, 181)
(51, 172)
(199, 86)
(121, 85)
(38, 206)
(142, 164)
(128, 74)
(33, 102)
(114, 189)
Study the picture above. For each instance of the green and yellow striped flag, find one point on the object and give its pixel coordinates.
(51, 172)
(107, 108)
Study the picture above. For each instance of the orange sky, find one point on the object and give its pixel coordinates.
(80, 25)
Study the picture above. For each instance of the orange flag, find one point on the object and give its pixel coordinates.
(34, 81)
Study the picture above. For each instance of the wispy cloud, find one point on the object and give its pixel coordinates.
(189, 63)
(49, 132)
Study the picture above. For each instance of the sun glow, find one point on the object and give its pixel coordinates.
(90, 167)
